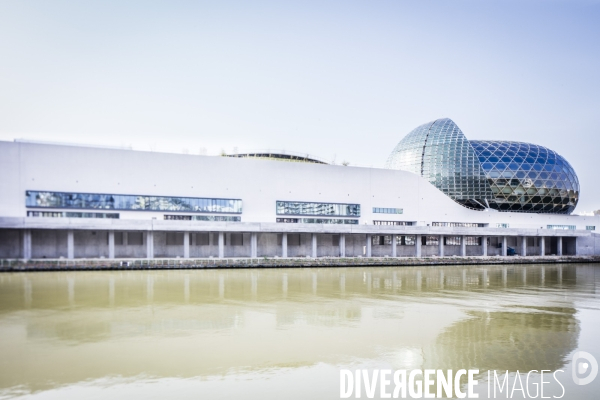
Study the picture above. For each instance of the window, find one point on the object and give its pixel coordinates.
(401, 223)
(303, 208)
(288, 220)
(381, 240)
(60, 214)
(472, 241)
(405, 240)
(502, 225)
(39, 199)
(219, 218)
(565, 227)
(317, 221)
(381, 210)
(452, 240)
(590, 228)
(430, 240)
(459, 224)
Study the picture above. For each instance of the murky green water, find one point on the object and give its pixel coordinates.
(286, 333)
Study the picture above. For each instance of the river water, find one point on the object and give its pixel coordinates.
(287, 333)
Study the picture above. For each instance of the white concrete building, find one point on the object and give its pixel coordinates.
(86, 202)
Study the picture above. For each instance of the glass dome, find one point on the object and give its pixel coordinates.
(505, 176)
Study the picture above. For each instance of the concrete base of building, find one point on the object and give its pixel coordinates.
(275, 262)
(113, 244)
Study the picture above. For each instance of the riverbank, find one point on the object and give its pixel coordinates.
(304, 262)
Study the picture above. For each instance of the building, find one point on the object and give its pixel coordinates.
(89, 202)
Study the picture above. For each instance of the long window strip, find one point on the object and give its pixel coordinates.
(317, 221)
(306, 208)
(60, 214)
(220, 218)
(459, 224)
(387, 210)
(565, 227)
(41, 199)
(399, 240)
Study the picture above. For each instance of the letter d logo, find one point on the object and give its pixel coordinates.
(584, 364)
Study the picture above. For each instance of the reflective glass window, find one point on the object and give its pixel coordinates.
(306, 208)
(39, 199)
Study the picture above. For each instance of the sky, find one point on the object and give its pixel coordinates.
(340, 80)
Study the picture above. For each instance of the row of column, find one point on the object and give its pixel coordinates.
(284, 252)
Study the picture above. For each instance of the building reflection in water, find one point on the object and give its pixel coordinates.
(200, 323)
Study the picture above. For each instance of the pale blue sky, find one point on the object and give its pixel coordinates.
(335, 79)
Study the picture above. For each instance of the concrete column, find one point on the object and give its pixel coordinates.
(559, 241)
(313, 247)
(463, 246)
(221, 245)
(111, 244)
(27, 244)
(149, 244)
(342, 245)
(253, 245)
(524, 246)
(418, 246)
(394, 254)
(284, 245)
(484, 246)
(186, 245)
(542, 242)
(441, 246)
(369, 243)
(70, 245)
(504, 246)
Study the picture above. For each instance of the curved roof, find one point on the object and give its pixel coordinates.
(279, 157)
(506, 176)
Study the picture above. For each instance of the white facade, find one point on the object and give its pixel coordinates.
(258, 183)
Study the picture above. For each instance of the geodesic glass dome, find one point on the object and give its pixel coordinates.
(505, 176)
(527, 177)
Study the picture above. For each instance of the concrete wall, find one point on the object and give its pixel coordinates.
(90, 244)
(128, 250)
(11, 243)
(48, 243)
(300, 247)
